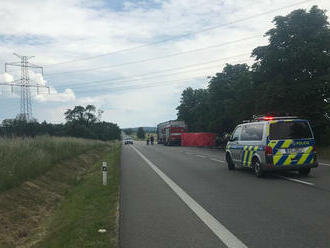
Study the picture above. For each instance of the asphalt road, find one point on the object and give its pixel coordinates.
(186, 197)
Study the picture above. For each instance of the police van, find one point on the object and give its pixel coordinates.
(272, 143)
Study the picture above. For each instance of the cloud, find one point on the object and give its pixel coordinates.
(7, 91)
(66, 96)
(41, 94)
(37, 78)
(6, 77)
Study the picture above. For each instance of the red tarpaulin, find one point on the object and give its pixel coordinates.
(197, 139)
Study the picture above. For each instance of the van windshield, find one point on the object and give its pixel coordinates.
(290, 130)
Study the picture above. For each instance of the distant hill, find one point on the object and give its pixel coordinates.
(146, 129)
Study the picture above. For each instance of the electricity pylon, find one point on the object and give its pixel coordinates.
(25, 84)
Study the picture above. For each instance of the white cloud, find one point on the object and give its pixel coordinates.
(37, 78)
(41, 94)
(66, 96)
(6, 77)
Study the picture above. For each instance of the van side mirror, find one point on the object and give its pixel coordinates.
(233, 139)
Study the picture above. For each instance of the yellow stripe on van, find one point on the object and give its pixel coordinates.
(289, 159)
(276, 158)
(273, 143)
(287, 144)
(303, 158)
(245, 156)
(249, 159)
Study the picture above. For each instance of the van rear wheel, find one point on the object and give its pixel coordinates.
(304, 171)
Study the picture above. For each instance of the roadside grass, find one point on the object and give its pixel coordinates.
(90, 206)
(22, 159)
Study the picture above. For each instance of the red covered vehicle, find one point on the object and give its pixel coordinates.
(169, 132)
(198, 139)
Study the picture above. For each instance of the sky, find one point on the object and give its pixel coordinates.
(132, 59)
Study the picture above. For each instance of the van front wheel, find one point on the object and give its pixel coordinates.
(258, 171)
(230, 163)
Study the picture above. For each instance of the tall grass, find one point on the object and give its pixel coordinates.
(22, 159)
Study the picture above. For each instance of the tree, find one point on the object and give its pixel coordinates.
(228, 100)
(193, 109)
(83, 116)
(291, 76)
(231, 97)
(128, 131)
(293, 70)
(81, 122)
(141, 133)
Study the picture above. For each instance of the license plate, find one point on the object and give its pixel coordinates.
(294, 150)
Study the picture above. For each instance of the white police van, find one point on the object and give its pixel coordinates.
(272, 143)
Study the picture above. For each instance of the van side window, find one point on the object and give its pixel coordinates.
(252, 132)
(236, 133)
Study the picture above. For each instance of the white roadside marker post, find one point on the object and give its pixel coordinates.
(104, 173)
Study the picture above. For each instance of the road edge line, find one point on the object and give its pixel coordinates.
(297, 181)
(228, 238)
(217, 160)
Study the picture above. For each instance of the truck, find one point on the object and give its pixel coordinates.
(169, 132)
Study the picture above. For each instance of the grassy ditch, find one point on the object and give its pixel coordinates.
(90, 206)
(22, 159)
(66, 205)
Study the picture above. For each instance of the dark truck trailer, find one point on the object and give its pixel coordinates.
(169, 132)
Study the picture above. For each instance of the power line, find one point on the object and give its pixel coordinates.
(167, 70)
(184, 35)
(156, 58)
(106, 82)
(142, 86)
(137, 85)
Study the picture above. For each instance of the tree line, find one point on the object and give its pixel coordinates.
(81, 122)
(140, 132)
(290, 76)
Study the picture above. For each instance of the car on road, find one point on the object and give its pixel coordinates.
(128, 141)
(272, 143)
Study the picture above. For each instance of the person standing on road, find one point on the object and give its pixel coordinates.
(152, 139)
(148, 140)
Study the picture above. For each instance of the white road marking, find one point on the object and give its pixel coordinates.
(201, 156)
(297, 181)
(228, 238)
(217, 160)
(324, 164)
